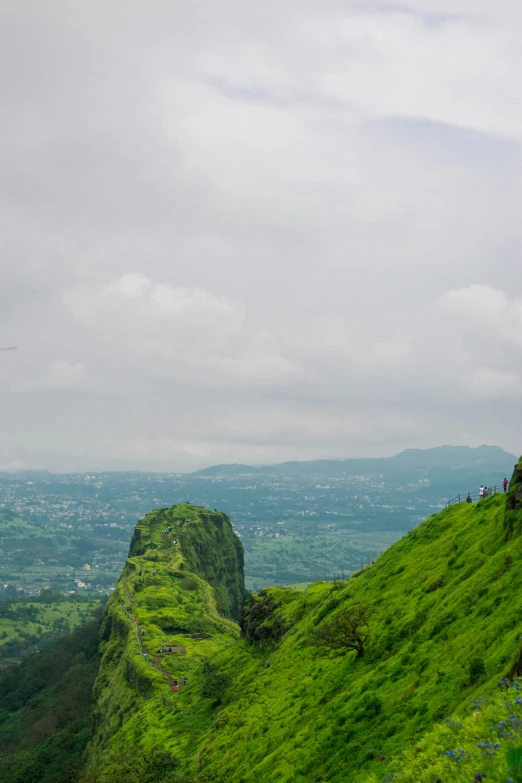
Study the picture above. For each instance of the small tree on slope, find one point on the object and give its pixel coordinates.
(348, 630)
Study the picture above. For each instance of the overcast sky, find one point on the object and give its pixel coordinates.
(254, 232)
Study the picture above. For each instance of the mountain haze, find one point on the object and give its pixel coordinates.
(298, 522)
(460, 460)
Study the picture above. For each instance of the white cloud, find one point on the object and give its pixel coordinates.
(491, 384)
(59, 375)
(134, 297)
(488, 310)
(64, 375)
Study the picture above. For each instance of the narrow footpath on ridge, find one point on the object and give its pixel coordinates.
(155, 660)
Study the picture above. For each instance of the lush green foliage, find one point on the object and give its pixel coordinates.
(348, 629)
(513, 516)
(216, 683)
(30, 625)
(211, 550)
(261, 620)
(448, 615)
(483, 745)
(46, 707)
(161, 605)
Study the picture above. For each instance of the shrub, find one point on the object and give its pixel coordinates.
(261, 621)
(154, 767)
(136, 679)
(188, 583)
(435, 585)
(198, 625)
(372, 707)
(216, 683)
(477, 670)
(348, 630)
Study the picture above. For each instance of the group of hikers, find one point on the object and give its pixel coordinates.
(176, 686)
(486, 492)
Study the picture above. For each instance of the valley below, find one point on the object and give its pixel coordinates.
(405, 670)
(298, 522)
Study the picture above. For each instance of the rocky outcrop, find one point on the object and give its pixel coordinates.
(175, 603)
(513, 514)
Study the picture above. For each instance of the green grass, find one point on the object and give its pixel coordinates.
(290, 559)
(159, 602)
(447, 593)
(459, 748)
(27, 624)
(301, 585)
(45, 616)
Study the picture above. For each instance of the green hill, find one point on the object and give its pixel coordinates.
(162, 600)
(443, 608)
(27, 626)
(46, 710)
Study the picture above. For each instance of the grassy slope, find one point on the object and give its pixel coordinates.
(446, 593)
(158, 601)
(71, 613)
(307, 718)
(458, 749)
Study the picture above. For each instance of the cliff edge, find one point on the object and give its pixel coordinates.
(186, 696)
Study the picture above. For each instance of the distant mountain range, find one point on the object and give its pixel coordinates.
(492, 461)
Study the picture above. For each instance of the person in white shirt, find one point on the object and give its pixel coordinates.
(481, 492)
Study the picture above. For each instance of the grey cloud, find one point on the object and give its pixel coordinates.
(451, 145)
(431, 19)
(252, 233)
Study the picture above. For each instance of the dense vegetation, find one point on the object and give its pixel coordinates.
(443, 625)
(513, 518)
(27, 626)
(46, 710)
(160, 604)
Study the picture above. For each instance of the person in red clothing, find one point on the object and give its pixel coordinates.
(506, 485)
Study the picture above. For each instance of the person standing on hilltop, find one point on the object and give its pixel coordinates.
(506, 485)
(481, 492)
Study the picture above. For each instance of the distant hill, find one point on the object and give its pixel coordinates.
(486, 459)
(232, 469)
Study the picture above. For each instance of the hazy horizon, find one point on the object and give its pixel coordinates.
(101, 469)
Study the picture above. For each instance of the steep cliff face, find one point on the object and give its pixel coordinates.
(207, 545)
(513, 518)
(170, 613)
(213, 551)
